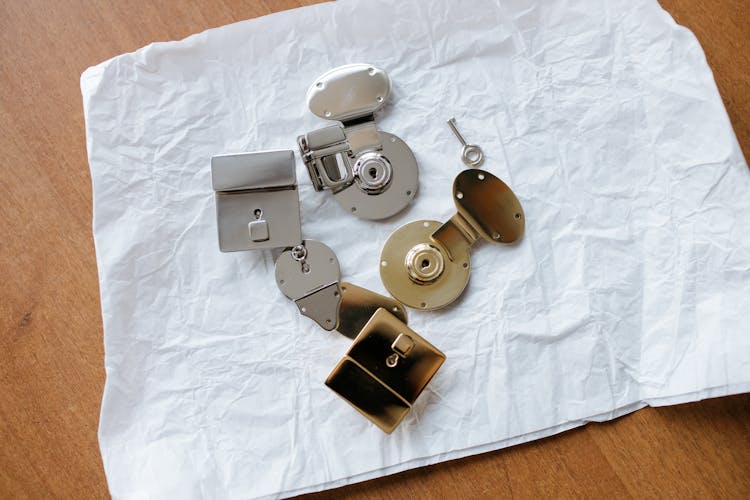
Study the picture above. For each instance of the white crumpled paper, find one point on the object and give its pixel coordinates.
(631, 286)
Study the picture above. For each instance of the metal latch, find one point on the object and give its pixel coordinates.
(385, 370)
(425, 264)
(257, 205)
(372, 174)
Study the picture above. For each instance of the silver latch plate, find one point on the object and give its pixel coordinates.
(257, 204)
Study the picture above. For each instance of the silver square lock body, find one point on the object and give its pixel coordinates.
(257, 204)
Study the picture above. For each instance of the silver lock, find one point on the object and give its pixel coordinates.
(257, 205)
(372, 174)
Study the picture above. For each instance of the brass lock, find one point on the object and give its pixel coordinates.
(385, 370)
(426, 265)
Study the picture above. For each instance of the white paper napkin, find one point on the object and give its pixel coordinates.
(630, 287)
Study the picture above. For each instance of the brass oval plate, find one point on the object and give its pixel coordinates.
(425, 296)
(489, 205)
(348, 92)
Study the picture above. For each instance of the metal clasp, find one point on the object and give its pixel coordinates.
(372, 174)
(257, 205)
(384, 391)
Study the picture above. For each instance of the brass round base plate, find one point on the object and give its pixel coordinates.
(434, 292)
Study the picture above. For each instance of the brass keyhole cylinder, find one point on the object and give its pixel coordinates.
(424, 263)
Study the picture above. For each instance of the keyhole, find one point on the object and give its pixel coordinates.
(392, 360)
(258, 212)
(425, 264)
(373, 172)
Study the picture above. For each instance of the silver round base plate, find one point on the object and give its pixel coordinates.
(399, 192)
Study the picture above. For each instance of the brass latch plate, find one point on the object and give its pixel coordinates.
(368, 378)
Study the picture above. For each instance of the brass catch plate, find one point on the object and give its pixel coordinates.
(416, 269)
(359, 304)
(489, 205)
(369, 379)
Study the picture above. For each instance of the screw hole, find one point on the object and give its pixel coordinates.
(480, 177)
(331, 260)
(459, 195)
(395, 309)
(371, 71)
(495, 236)
(336, 293)
(383, 263)
(354, 209)
(423, 304)
(343, 288)
(426, 224)
(328, 114)
(328, 321)
(518, 216)
(408, 193)
(393, 139)
(465, 264)
(319, 85)
(281, 282)
(304, 309)
(379, 98)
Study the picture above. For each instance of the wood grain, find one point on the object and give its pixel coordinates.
(51, 356)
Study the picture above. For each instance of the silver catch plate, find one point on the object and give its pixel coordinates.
(309, 274)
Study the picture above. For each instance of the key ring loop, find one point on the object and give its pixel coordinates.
(472, 155)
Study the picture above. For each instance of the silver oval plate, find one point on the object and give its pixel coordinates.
(349, 92)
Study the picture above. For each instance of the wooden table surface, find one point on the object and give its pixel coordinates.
(51, 354)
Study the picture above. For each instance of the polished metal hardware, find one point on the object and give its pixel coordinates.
(425, 264)
(258, 207)
(471, 154)
(385, 370)
(372, 174)
(309, 274)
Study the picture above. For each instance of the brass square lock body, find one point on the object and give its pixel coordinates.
(385, 370)
(257, 205)
(372, 174)
(426, 265)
